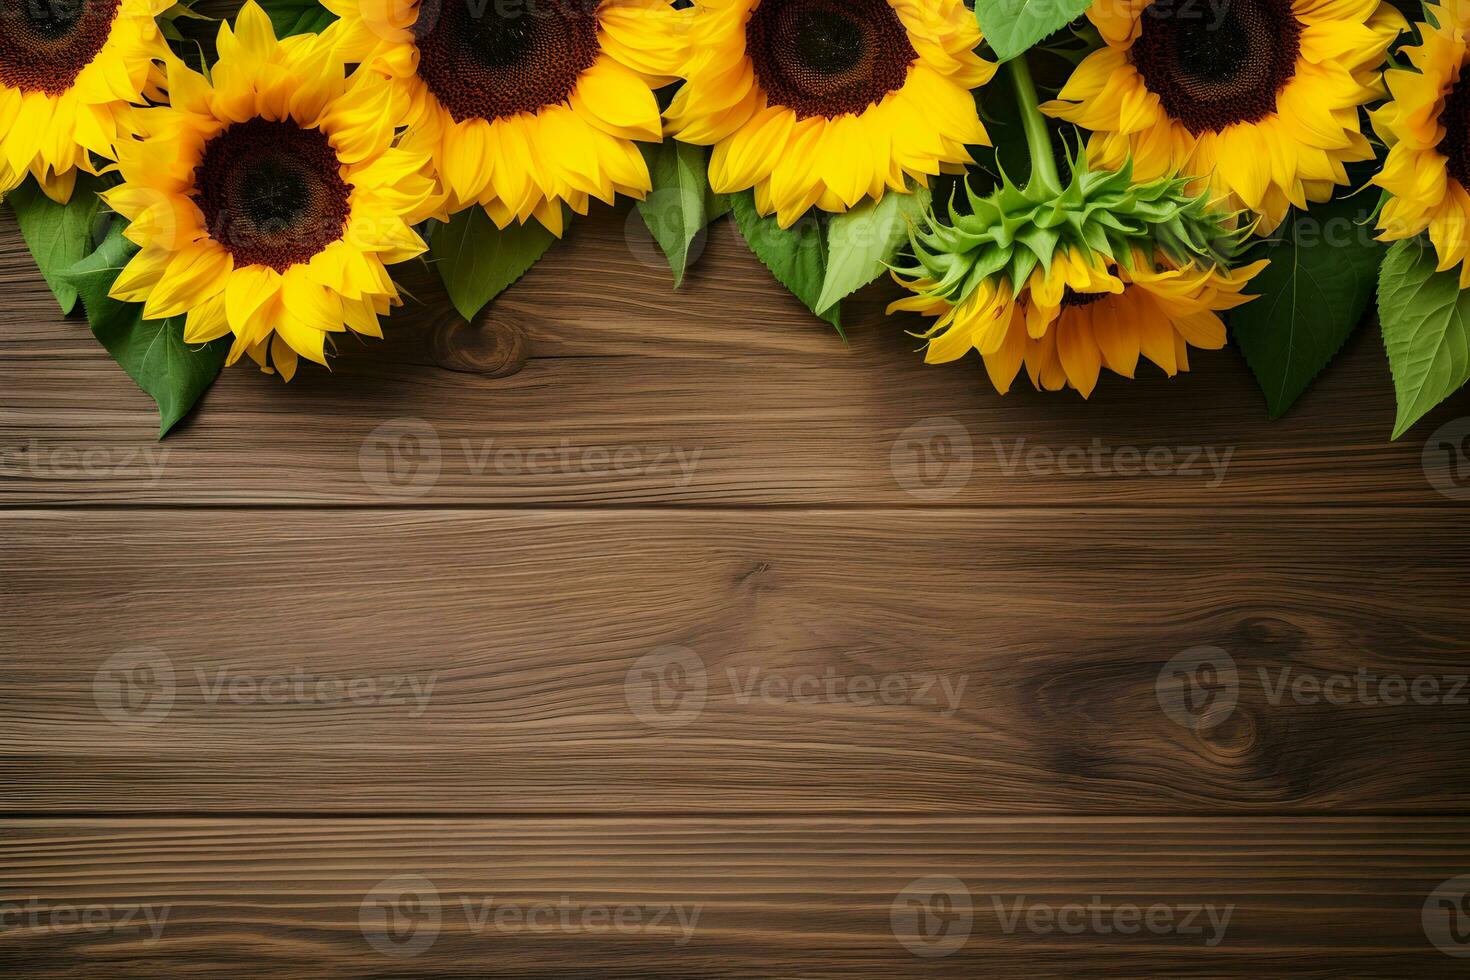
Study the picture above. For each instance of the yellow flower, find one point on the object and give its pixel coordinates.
(268, 198)
(827, 102)
(523, 106)
(1259, 98)
(1082, 315)
(1427, 128)
(70, 71)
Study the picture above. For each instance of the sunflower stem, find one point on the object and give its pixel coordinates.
(1038, 138)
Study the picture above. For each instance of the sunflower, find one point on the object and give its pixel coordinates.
(268, 198)
(523, 107)
(1427, 128)
(70, 72)
(828, 102)
(1258, 98)
(1081, 315)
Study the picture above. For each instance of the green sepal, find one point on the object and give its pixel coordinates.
(1012, 230)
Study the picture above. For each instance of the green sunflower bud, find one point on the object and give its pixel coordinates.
(1008, 233)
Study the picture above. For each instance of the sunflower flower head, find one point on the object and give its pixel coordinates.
(1426, 125)
(71, 75)
(1070, 281)
(827, 102)
(268, 198)
(524, 108)
(1259, 99)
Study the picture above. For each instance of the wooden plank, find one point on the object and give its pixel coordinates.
(909, 661)
(593, 382)
(711, 897)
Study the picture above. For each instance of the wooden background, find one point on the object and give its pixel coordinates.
(622, 471)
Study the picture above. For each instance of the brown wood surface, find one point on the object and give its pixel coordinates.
(782, 896)
(771, 518)
(1044, 633)
(729, 372)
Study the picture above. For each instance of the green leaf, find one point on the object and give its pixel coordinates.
(478, 261)
(152, 352)
(182, 10)
(58, 235)
(716, 206)
(796, 256)
(1426, 330)
(861, 242)
(1310, 299)
(677, 209)
(1014, 26)
(290, 17)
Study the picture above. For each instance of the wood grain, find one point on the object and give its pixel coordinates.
(593, 357)
(786, 897)
(1049, 628)
(410, 617)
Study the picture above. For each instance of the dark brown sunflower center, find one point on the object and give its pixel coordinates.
(828, 57)
(272, 193)
(45, 44)
(489, 59)
(1211, 65)
(1072, 299)
(1456, 122)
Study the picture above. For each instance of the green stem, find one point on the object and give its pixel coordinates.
(1038, 138)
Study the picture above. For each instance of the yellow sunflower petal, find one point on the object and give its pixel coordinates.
(797, 147)
(203, 188)
(1276, 123)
